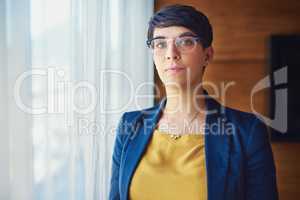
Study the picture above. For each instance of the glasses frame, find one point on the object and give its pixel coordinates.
(195, 39)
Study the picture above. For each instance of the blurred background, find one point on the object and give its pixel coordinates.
(70, 68)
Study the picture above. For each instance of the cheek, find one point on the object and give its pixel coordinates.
(158, 63)
(194, 61)
(197, 57)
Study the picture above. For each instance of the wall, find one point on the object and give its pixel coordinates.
(241, 32)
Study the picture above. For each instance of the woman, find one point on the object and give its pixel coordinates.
(188, 147)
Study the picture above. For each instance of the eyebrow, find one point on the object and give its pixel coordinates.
(181, 35)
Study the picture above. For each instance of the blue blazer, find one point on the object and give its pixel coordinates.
(239, 160)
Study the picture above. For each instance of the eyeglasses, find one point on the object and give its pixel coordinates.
(184, 44)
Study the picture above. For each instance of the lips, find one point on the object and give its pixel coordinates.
(175, 68)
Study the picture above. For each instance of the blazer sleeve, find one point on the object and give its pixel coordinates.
(114, 193)
(260, 168)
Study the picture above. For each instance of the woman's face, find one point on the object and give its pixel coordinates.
(176, 66)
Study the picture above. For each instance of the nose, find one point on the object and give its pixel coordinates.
(172, 52)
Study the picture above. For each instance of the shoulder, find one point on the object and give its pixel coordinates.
(244, 121)
(132, 117)
(250, 129)
(239, 121)
(129, 121)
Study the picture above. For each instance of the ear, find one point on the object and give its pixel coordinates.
(209, 51)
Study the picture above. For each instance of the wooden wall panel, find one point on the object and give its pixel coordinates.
(287, 166)
(237, 80)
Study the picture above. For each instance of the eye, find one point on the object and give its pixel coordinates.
(160, 44)
(186, 42)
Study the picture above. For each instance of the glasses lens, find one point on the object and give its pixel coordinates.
(185, 43)
(158, 44)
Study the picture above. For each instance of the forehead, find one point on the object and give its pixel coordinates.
(171, 31)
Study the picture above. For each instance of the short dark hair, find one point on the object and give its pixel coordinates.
(186, 16)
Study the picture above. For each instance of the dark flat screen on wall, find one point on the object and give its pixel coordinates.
(285, 54)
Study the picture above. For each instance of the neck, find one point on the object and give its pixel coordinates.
(186, 101)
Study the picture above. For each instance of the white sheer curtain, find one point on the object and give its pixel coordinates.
(16, 141)
(69, 68)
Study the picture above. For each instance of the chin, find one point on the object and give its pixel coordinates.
(177, 81)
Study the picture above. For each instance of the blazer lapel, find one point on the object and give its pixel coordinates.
(137, 144)
(217, 147)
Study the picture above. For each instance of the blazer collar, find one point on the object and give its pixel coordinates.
(136, 145)
(217, 146)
